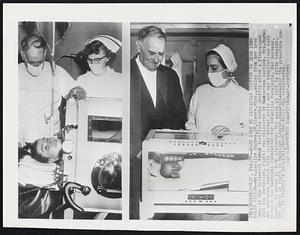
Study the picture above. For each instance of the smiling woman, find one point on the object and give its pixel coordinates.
(46, 149)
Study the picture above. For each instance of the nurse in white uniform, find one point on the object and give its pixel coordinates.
(101, 80)
(221, 106)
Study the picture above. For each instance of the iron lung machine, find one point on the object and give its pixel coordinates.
(94, 165)
(190, 172)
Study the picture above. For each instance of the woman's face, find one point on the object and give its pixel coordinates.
(97, 62)
(49, 148)
(213, 64)
(217, 73)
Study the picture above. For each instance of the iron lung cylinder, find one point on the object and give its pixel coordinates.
(96, 160)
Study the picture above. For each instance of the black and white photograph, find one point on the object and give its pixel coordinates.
(189, 121)
(149, 117)
(70, 123)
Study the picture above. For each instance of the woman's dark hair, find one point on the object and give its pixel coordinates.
(218, 57)
(35, 155)
(23, 151)
(93, 48)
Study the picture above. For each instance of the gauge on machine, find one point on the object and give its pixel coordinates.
(106, 175)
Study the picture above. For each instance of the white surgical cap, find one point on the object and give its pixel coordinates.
(110, 42)
(227, 56)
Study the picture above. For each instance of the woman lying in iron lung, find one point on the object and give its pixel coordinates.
(44, 153)
(38, 171)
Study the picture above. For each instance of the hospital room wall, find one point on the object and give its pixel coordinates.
(192, 50)
(74, 41)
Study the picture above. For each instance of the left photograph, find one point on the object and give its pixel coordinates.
(70, 120)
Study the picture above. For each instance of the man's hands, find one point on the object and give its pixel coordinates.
(78, 93)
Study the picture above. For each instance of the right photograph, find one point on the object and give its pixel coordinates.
(189, 121)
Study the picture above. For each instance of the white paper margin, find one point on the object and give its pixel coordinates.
(126, 13)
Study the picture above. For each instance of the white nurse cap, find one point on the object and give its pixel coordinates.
(227, 56)
(110, 42)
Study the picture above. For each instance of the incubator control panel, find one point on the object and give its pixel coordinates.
(206, 144)
(183, 169)
(200, 198)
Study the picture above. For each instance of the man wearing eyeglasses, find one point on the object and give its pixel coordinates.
(156, 100)
(41, 91)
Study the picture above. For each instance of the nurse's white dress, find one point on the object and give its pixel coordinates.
(109, 85)
(227, 106)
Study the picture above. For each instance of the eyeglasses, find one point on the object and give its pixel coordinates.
(95, 61)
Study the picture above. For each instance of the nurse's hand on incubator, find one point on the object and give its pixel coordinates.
(78, 93)
(220, 130)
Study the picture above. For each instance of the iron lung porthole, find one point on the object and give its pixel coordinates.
(107, 174)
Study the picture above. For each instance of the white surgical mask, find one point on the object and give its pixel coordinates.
(35, 71)
(96, 68)
(217, 78)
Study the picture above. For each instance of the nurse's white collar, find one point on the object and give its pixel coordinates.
(107, 71)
